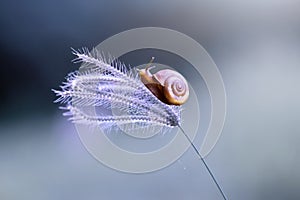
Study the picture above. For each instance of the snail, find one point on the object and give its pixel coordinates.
(167, 85)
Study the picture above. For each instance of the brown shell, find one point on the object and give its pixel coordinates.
(167, 85)
(176, 89)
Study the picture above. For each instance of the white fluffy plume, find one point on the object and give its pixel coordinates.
(106, 84)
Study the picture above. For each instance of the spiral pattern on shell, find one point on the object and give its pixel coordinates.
(175, 87)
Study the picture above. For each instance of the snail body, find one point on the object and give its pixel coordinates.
(167, 85)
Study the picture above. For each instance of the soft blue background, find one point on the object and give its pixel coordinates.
(256, 46)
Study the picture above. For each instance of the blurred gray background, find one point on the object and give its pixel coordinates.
(255, 44)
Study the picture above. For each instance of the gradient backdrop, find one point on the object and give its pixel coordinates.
(255, 44)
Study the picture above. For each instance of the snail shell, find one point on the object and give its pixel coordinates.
(167, 85)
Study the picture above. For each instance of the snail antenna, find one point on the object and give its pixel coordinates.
(150, 62)
(204, 163)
